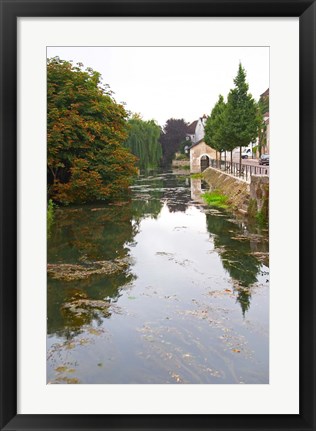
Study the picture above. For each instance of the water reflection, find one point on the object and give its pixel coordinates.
(174, 249)
(196, 189)
(233, 246)
(236, 241)
(82, 236)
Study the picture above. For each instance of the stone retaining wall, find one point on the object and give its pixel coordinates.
(180, 163)
(237, 191)
(247, 198)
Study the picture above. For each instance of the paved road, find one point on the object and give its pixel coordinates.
(246, 161)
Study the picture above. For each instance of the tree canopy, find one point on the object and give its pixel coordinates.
(174, 133)
(241, 123)
(143, 142)
(86, 129)
(237, 122)
(215, 127)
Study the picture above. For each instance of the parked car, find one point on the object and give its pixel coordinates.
(264, 159)
(246, 153)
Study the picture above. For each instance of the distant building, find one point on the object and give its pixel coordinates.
(264, 99)
(266, 147)
(196, 130)
(191, 132)
(265, 95)
(200, 155)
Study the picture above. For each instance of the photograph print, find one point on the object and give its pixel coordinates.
(158, 215)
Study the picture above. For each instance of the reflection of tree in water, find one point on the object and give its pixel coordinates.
(169, 188)
(177, 201)
(63, 321)
(89, 234)
(85, 235)
(235, 252)
(142, 208)
(177, 193)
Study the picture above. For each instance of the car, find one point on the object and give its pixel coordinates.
(264, 159)
(246, 153)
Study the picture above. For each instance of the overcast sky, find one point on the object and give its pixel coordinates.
(172, 82)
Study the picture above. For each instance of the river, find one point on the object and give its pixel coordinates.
(157, 289)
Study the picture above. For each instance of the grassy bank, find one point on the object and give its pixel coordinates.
(216, 199)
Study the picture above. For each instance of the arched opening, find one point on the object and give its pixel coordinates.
(205, 162)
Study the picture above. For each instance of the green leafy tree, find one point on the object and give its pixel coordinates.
(241, 122)
(215, 128)
(86, 128)
(143, 142)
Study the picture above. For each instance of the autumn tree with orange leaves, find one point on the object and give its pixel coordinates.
(86, 129)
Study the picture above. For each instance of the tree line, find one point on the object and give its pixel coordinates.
(238, 121)
(94, 146)
(231, 124)
(144, 142)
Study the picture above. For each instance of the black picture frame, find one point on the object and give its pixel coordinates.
(10, 11)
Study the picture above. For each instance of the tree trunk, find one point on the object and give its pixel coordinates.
(53, 173)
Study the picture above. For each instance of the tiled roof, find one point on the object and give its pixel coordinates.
(197, 143)
(191, 128)
(265, 94)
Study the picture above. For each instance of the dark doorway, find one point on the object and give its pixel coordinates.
(205, 163)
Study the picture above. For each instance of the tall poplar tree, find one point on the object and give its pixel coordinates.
(214, 127)
(241, 122)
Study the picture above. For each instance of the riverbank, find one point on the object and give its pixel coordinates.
(251, 199)
(237, 192)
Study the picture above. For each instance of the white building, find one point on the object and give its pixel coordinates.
(196, 130)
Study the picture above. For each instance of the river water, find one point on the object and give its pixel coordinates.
(187, 300)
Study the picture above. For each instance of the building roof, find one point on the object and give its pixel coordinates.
(197, 143)
(265, 94)
(191, 128)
